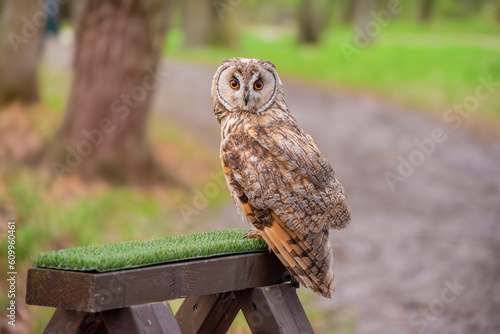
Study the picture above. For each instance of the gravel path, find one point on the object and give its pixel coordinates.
(422, 256)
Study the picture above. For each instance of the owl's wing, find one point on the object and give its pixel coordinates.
(308, 258)
(280, 184)
(281, 167)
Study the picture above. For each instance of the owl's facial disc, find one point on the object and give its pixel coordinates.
(246, 88)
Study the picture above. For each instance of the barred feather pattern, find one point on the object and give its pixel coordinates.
(282, 184)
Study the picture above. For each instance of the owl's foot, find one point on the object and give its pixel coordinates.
(253, 234)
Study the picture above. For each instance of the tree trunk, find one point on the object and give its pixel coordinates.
(362, 21)
(349, 12)
(497, 12)
(118, 46)
(208, 23)
(426, 10)
(224, 25)
(314, 16)
(196, 22)
(22, 27)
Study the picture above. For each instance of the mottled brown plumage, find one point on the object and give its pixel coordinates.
(278, 178)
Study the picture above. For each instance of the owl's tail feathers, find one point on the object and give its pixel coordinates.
(312, 267)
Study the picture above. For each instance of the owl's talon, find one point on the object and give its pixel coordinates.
(253, 234)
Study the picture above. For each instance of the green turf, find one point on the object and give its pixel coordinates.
(109, 257)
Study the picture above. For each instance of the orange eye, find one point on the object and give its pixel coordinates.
(258, 85)
(234, 84)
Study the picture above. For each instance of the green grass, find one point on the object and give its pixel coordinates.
(125, 255)
(55, 88)
(47, 220)
(427, 66)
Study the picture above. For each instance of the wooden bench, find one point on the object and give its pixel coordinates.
(136, 300)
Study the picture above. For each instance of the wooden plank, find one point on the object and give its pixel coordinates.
(96, 292)
(142, 319)
(289, 292)
(71, 322)
(60, 289)
(207, 314)
(275, 309)
(165, 318)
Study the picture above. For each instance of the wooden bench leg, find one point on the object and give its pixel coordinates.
(141, 319)
(208, 314)
(72, 322)
(274, 309)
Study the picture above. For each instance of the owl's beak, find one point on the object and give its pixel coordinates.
(246, 97)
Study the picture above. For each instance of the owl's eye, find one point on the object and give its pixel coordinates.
(234, 84)
(258, 85)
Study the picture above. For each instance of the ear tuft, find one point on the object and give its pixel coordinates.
(269, 63)
(226, 61)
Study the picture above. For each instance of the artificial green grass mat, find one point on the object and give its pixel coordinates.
(125, 255)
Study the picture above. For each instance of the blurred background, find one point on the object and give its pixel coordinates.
(107, 135)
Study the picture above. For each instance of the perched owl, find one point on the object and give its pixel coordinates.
(278, 178)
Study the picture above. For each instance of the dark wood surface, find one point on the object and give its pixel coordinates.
(142, 319)
(210, 314)
(96, 292)
(274, 309)
(72, 322)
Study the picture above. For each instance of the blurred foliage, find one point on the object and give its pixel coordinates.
(430, 66)
(53, 219)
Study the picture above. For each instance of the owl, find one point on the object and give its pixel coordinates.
(277, 177)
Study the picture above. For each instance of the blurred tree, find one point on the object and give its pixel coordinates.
(426, 10)
(474, 6)
(362, 18)
(357, 12)
(76, 9)
(196, 22)
(118, 46)
(65, 10)
(497, 11)
(22, 27)
(314, 16)
(207, 22)
(349, 11)
(224, 24)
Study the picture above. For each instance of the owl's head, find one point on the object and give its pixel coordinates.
(242, 84)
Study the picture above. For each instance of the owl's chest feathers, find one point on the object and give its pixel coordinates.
(254, 126)
(233, 124)
(250, 123)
